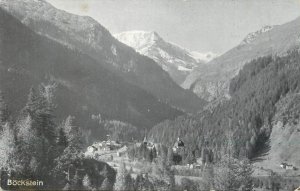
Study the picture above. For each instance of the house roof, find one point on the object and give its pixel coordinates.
(179, 143)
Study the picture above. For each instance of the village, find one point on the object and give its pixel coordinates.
(139, 156)
(116, 153)
(111, 150)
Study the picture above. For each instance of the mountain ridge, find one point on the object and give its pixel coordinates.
(83, 86)
(174, 59)
(211, 81)
(91, 38)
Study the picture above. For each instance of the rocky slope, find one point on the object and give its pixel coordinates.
(83, 86)
(211, 81)
(175, 60)
(88, 36)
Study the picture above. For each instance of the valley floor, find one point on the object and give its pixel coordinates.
(262, 169)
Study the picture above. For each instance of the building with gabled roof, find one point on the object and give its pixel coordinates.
(178, 146)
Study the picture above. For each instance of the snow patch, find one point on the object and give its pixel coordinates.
(204, 57)
(181, 68)
(174, 59)
(113, 49)
(138, 39)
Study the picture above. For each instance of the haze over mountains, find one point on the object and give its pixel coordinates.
(88, 36)
(211, 81)
(175, 60)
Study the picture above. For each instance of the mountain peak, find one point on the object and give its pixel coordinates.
(91, 38)
(138, 39)
(175, 60)
(270, 40)
(155, 35)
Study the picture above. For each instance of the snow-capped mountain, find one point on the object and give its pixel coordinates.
(203, 57)
(86, 35)
(177, 61)
(211, 81)
(83, 87)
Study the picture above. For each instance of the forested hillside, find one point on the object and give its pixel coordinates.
(82, 86)
(247, 117)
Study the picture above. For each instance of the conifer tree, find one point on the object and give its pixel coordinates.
(138, 184)
(76, 181)
(86, 182)
(62, 138)
(129, 182)
(28, 146)
(164, 175)
(226, 174)
(123, 180)
(72, 154)
(4, 115)
(154, 153)
(32, 104)
(208, 177)
(44, 129)
(147, 184)
(231, 173)
(190, 159)
(106, 185)
(120, 179)
(67, 186)
(36, 136)
(7, 146)
(149, 155)
(246, 171)
(104, 172)
(170, 157)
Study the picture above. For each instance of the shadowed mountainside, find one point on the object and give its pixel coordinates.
(88, 36)
(84, 87)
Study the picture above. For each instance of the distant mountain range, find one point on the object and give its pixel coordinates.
(211, 81)
(89, 37)
(177, 61)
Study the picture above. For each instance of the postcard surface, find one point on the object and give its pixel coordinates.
(150, 95)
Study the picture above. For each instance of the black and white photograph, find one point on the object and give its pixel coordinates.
(150, 95)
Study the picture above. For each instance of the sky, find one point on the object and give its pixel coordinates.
(198, 25)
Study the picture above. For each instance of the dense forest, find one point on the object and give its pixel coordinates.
(35, 147)
(245, 118)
